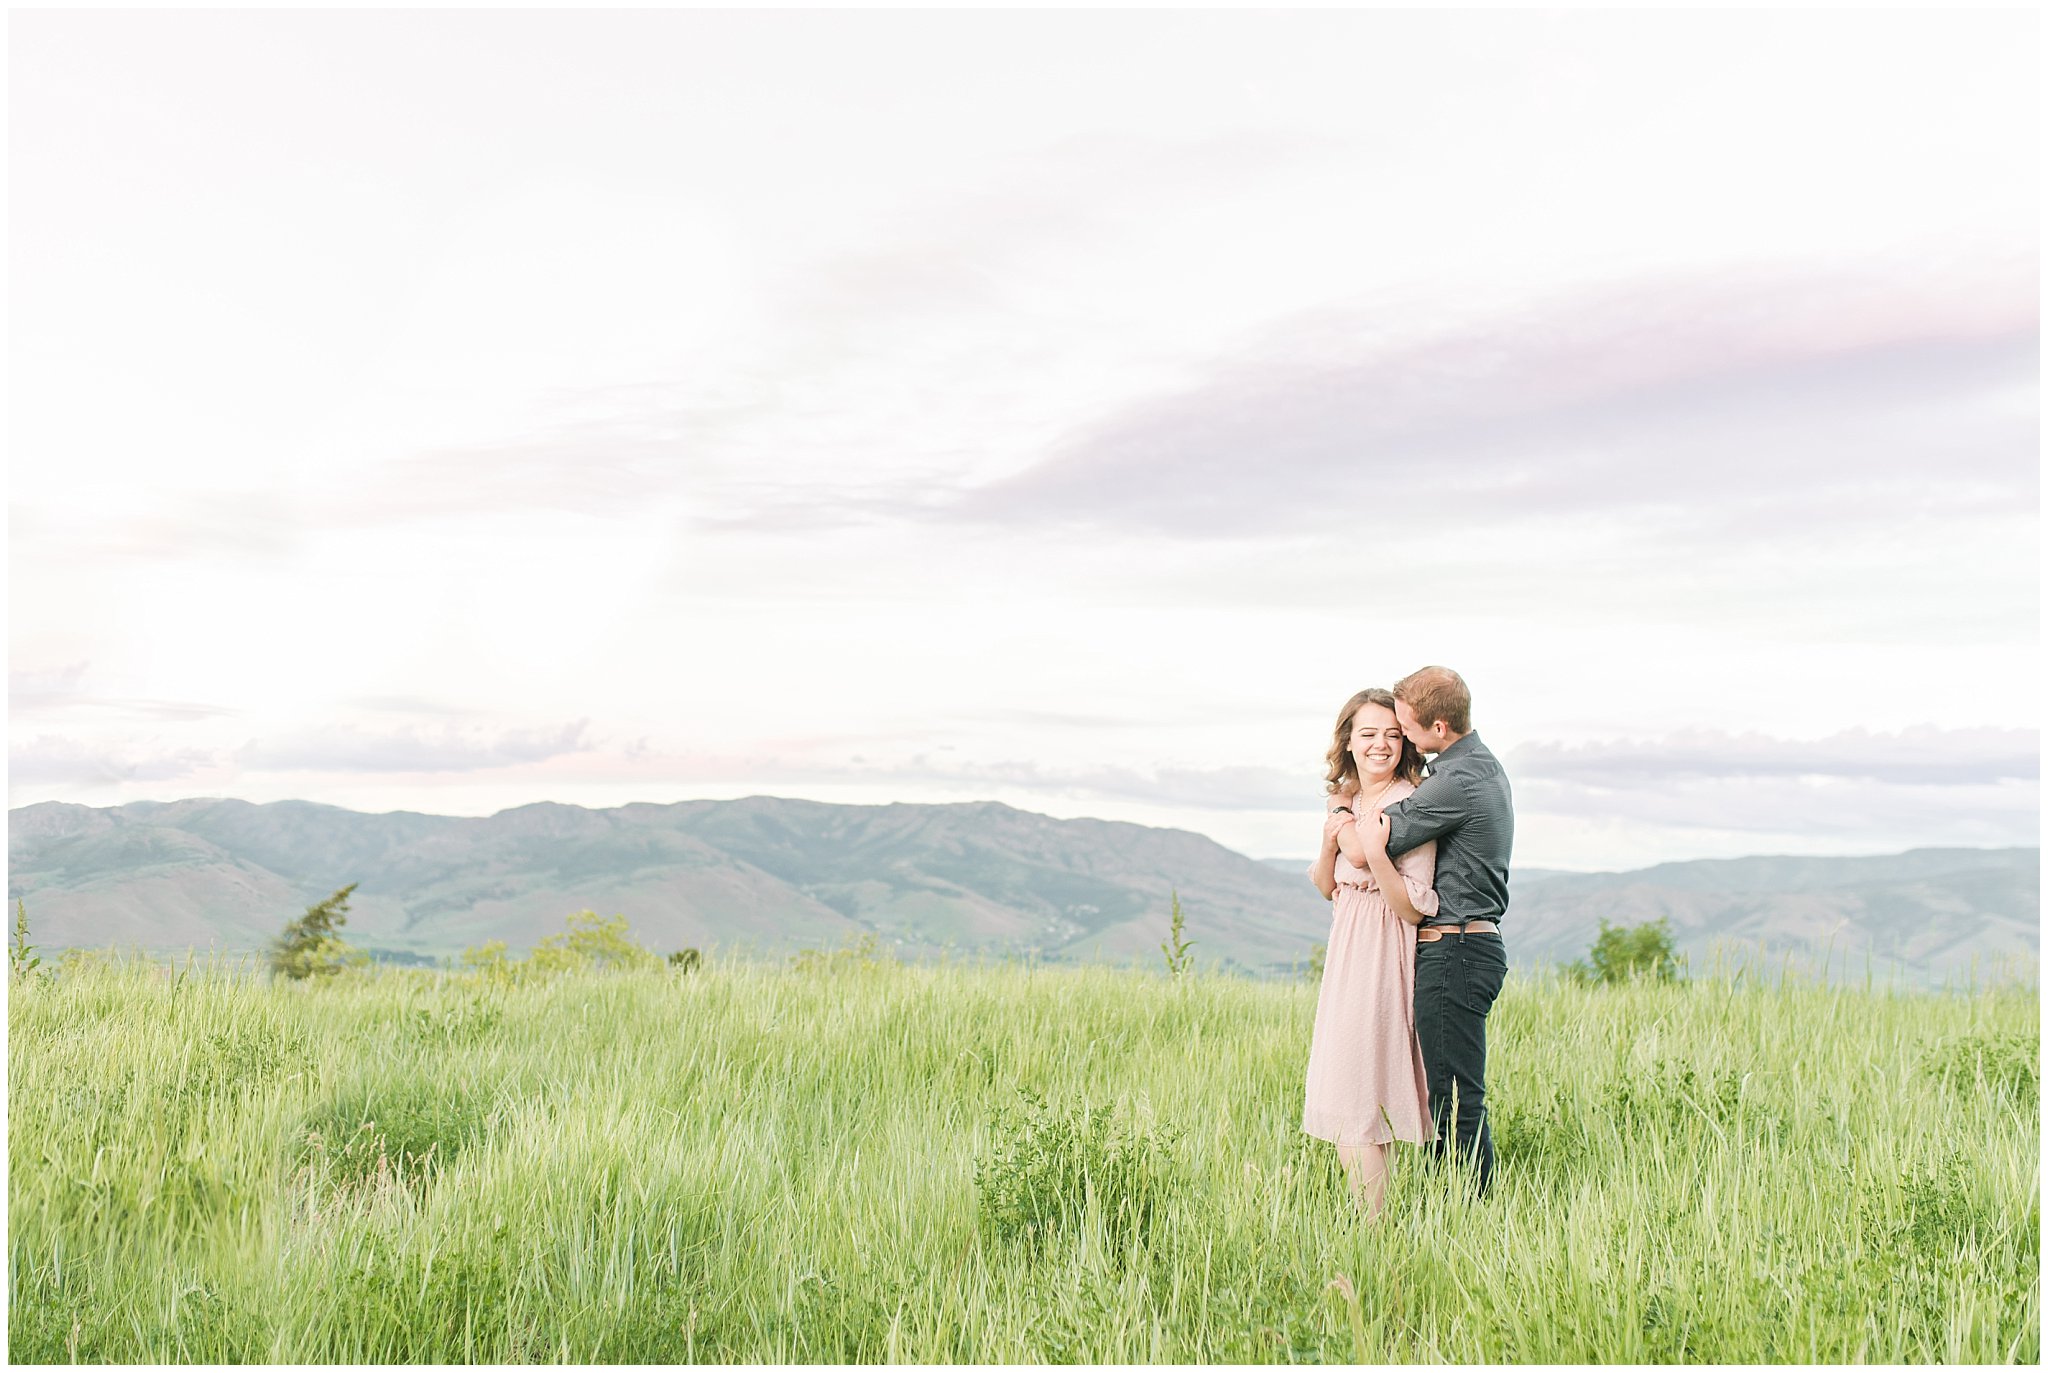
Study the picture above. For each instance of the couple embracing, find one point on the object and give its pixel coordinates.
(1416, 866)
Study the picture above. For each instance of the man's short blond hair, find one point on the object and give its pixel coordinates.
(1437, 693)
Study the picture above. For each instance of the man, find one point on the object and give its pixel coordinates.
(1460, 961)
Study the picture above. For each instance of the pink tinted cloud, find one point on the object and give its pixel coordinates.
(1693, 395)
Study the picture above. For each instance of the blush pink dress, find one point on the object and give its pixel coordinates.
(1365, 1077)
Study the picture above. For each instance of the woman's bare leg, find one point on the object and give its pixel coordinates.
(1365, 1165)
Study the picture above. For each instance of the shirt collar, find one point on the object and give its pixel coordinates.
(1469, 737)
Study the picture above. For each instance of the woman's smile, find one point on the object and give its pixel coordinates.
(1375, 741)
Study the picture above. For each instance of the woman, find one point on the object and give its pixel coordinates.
(1366, 1086)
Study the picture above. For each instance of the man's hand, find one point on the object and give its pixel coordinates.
(1374, 835)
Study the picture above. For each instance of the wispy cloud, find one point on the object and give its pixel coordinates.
(407, 750)
(1908, 789)
(1215, 789)
(1800, 811)
(593, 468)
(56, 691)
(1730, 408)
(58, 761)
(1927, 761)
(45, 681)
(1916, 757)
(898, 341)
(1986, 792)
(1763, 399)
(409, 705)
(1923, 786)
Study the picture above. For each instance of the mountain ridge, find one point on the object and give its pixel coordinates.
(774, 874)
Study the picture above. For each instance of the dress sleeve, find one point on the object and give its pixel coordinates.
(1418, 870)
(1331, 800)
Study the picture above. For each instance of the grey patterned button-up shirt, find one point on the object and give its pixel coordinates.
(1464, 805)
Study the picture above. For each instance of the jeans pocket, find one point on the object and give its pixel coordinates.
(1490, 970)
(1432, 966)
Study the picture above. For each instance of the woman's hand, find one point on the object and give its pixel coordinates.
(1393, 884)
(1333, 821)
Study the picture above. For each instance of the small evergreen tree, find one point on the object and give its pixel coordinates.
(310, 946)
(1621, 954)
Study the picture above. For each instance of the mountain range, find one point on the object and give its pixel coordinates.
(769, 875)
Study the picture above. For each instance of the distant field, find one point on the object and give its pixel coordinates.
(754, 1162)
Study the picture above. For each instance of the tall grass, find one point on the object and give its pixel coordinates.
(859, 1161)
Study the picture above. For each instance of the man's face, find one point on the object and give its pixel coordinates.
(1429, 740)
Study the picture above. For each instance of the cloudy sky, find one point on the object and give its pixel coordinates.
(449, 411)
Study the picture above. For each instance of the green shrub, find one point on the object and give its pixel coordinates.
(2008, 1062)
(1049, 1163)
(591, 942)
(1674, 1096)
(1623, 954)
(587, 943)
(1551, 1142)
(249, 1054)
(454, 1299)
(458, 1023)
(406, 1133)
(487, 959)
(864, 952)
(78, 960)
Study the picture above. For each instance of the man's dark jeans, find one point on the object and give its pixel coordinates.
(1457, 978)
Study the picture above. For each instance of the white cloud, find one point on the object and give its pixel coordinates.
(55, 765)
(1066, 421)
(449, 749)
(1924, 757)
(55, 693)
(1727, 408)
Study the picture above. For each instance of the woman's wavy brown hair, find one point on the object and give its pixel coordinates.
(1344, 768)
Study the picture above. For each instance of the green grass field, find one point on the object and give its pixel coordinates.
(836, 1163)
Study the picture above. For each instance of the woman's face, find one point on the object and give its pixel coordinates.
(1375, 743)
